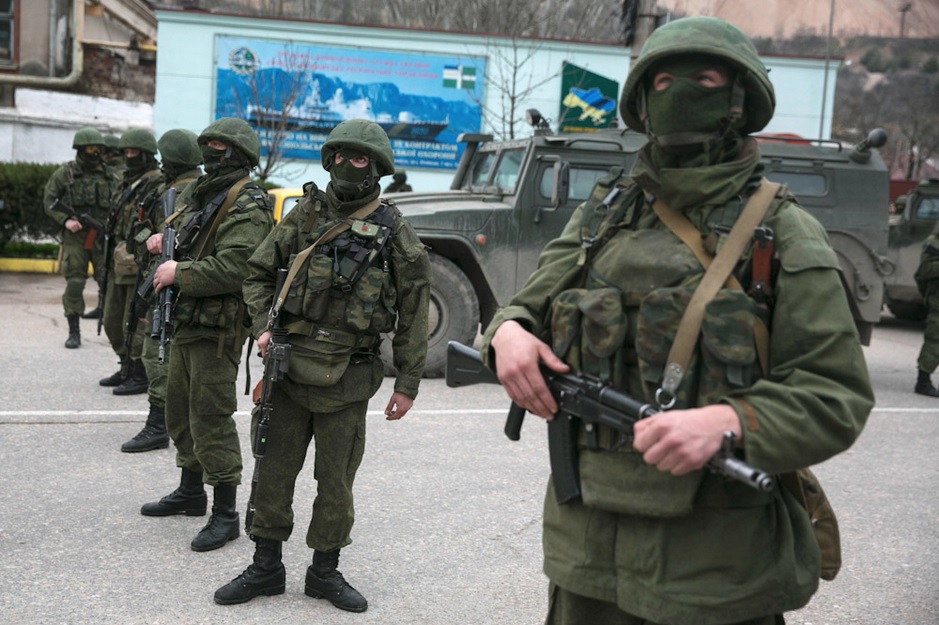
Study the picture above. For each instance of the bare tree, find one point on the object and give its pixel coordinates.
(270, 102)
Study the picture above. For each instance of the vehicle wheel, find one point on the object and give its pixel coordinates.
(453, 316)
(908, 311)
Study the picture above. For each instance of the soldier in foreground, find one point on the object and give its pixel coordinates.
(221, 220)
(141, 183)
(181, 157)
(927, 281)
(655, 539)
(85, 187)
(351, 286)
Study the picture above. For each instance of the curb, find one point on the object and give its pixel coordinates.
(29, 265)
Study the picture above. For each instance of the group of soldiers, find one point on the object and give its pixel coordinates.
(655, 288)
(202, 245)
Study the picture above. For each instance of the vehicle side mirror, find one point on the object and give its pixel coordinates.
(560, 183)
(877, 138)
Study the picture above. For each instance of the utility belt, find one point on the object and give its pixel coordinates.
(357, 342)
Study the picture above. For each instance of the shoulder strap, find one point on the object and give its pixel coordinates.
(326, 237)
(208, 243)
(717, 275)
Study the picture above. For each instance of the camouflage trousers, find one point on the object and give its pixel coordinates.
(74, 268)
(929, 353)
(157, 373)
(566, 608)
(117, 308)
(200, 404)
(339, 444)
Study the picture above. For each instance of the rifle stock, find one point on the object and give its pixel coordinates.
(593, 402)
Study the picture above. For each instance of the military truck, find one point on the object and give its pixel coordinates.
(509, 198)
(908, 230)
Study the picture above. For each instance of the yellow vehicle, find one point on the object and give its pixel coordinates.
(285, 198)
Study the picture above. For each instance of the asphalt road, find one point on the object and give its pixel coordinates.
(448, 510)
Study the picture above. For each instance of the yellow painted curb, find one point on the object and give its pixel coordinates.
(29, 265)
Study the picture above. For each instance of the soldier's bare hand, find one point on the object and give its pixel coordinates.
(72, 225)
(518, 355)
(155, 243)
(165, 275)
(263, 341)
(681, 441)
(398, 406)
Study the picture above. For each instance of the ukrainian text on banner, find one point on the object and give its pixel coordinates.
(294, 93)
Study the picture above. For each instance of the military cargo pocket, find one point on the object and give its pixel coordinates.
(660, 312)
(312, 292)
(217, 312)
(367, 292)
(565, 325)
(317, 360)
(728, 351)
(623, 483)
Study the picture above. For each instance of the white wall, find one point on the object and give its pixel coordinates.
(186, 71)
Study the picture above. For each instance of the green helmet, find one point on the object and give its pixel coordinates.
(138, 139)
(709, 36)
(87, 136)
(112, 142)
(364, 136)
(180, 147)
(235, 132)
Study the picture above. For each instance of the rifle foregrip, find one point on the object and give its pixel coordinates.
(513, 422)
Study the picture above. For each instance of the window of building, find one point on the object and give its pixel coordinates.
(6, 32)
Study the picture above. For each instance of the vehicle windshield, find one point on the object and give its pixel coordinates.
(499, 168)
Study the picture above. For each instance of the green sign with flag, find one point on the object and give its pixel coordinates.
(588, 100)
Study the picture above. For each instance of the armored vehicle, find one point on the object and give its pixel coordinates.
(908, 230)
(509, 198)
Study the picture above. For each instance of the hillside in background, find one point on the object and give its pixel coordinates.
(784, 19)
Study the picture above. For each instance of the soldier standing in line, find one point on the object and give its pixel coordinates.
(220, 219)
(399, 184)
(927, 280)
(85, 185)
(370, 279)
(113, 157)
(181, 157)
(141, 180)
(653, 538)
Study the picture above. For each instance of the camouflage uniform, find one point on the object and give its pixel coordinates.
(927, 279)
(334, 327)
(181, 157)
(141, 183)
(86, 185)
(642, 546)
(210, 327)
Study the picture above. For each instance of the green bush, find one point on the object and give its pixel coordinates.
(21, 211)
(29, 250)
(930, 65)
(873, 60)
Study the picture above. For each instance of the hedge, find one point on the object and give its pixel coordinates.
(21, 211)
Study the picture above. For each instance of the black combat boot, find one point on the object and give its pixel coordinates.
(74, 339)
(152, 436)
(188, 499)
(323, 581)
(117, 378)
(223, 524)
(136, 382)
(94, 313)
(924, 385)
(265, 576)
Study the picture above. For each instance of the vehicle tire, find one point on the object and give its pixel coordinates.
(454, 316)
(908, 311)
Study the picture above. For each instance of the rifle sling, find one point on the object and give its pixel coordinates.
(208, 243)
(326, 237)
(717, 275)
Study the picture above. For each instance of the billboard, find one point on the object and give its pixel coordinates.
(423, 101)
(588, 100)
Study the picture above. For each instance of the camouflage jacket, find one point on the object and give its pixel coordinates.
(333, 324)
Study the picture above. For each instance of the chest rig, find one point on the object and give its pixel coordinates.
(638, 280)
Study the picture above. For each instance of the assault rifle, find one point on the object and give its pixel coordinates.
(161, 324)
(95, 230)
(592, 402)
(276, 363)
